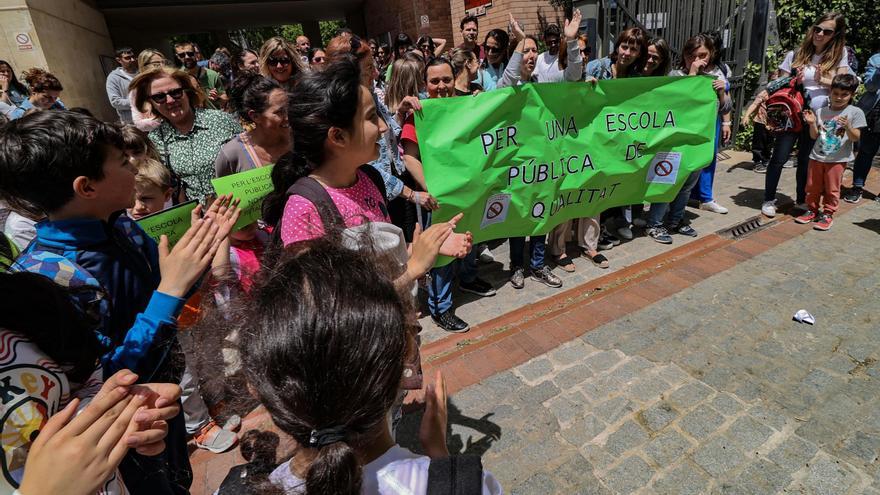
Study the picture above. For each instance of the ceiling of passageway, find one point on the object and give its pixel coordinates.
(190, 16)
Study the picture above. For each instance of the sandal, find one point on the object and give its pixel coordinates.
(599, 260)
(565, 263)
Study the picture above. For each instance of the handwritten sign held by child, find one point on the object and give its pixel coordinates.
(172, 222)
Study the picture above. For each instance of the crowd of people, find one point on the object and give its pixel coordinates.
(132, 333)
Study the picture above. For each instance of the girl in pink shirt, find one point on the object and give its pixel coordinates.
(336, 129)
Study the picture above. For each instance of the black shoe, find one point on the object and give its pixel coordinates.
(660, 235)
(853, 195)
(604, 243)
(546, 277)
(478, 286)
(518, 279)
(685, 230)
(451, 323)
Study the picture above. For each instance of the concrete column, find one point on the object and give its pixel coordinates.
(354, 19)
(69, 39)
(312, 30)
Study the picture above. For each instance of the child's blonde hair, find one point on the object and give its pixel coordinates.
(151, 172)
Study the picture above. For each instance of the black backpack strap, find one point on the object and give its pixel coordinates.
(313, 191)
(456, 475)
(376, 178)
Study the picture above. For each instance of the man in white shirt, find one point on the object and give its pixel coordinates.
(547, 66)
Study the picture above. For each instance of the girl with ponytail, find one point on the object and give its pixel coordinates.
(324, 344)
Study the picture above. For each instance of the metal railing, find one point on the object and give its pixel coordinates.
(677, 20)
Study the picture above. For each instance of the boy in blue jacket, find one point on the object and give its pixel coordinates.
(72, 168)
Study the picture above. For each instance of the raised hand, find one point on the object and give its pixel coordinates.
(572, 26)
(516, 29)
(432, 431)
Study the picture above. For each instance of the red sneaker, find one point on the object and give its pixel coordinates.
(807, 217)
(824, 222)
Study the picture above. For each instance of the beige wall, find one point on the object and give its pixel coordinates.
(68, 37)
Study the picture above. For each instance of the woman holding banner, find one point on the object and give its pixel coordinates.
(626, 60)
(520, 71)
(696, 56)
(440, 83)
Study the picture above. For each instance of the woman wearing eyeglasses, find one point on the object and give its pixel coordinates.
(189, 137)
(145, 120)
(820, 57)
(280, 61)
(45, 93)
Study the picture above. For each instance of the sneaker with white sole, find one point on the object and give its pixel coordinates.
(769, 208)
(714, 207)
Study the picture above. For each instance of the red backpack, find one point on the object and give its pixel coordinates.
(785, 106)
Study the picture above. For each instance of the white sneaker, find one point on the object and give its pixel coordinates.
(714, 207)
(769, 208)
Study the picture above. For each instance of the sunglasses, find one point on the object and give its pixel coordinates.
(275, 61)
(820, 30)
(318, 60)
(186, 54)
(160, 98)
(425, 47)
(493, 49)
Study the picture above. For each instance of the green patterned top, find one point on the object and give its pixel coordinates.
(193, 154)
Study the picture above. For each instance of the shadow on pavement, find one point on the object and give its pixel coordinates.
(753, 197)
(870, 224)
(408, 432)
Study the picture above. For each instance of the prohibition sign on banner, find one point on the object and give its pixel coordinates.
(494, 210)
(663, 168)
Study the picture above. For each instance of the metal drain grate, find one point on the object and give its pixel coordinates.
(744, 228)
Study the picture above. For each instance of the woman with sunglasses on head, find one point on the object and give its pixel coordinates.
(495, 47)
(45, 93)
(280, 61)
(145, 120)
(820, 57)
(189, 137)
(431, 47)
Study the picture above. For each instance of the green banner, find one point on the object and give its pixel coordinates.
(172, 222)
(250, 187)
(519, 161)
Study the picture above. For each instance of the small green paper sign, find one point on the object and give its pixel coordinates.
(250, 187)
(172, 222)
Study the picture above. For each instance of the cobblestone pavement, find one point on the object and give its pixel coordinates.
(736, 187)
(711, 390)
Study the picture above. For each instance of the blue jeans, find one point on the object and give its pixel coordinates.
(537, 245)
(703, 191)
(781, 151)
(676, 207)
(868, 147)
(440, 286)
